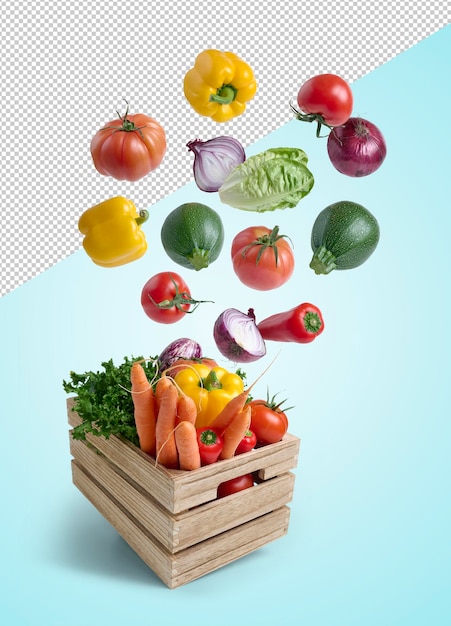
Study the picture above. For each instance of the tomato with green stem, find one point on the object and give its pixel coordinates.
(129, 147)
(262, 258)
(166, 298)
(268, 420)
(325, 99)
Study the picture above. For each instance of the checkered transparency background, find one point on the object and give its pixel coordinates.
(68, 66)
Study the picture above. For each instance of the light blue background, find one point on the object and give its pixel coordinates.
(368, 542)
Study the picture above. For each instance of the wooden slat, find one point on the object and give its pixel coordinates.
(189, 564)
(177, 490)
(179, 531)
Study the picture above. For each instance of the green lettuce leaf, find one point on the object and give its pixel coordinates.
(274, 179)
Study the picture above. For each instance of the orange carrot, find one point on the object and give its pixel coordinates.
(234, 432)
(144, 408)
(230, 411)
(186, 410)
(165, 437)
(187, 446)
(162, 384)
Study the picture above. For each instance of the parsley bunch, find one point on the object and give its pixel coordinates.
(104, 402)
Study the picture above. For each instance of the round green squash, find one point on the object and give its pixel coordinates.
(193, 235)
(344, 235)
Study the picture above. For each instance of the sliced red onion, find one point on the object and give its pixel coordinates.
(214, 160)
(237, 336)
(357, 148)
(182, 348)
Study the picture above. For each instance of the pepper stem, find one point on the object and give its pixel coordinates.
(211, 381)
(323, 261)
(224, 95)
(312, 322)
(143, 217)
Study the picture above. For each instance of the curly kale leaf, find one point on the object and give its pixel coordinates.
(103, 399)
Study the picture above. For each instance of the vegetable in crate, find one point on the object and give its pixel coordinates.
(301, 324)
(182, 348)
(210, 444)
(129, 148)
(356, 148)
(325, 99)
(234, 485)
(193, 235)
(112, 232)
(144, 408)
(277, 178)
(211, 388)
(219, 85)
(166, 298)
(268, 420)
(248, 442)
(214, 160)
(344, 235)
(237, 336)
(262, 258)
(103, 400)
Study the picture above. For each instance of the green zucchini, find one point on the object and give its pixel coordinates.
(344, 236)
(193, 235)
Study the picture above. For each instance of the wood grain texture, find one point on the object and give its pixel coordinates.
(173, 519)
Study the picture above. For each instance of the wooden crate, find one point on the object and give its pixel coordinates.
(172, 518)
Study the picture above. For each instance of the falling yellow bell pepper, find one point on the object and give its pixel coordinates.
(219, 85)
(210, 388)
(112, 231)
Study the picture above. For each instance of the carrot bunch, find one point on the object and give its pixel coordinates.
(165, 421)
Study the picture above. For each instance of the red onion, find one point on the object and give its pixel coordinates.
(237, 336)
(357, 148)
(182, 348)
(214, 160)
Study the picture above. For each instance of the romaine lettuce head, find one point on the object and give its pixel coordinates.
(275, 179)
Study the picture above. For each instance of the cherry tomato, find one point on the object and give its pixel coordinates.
(262, 258)
(268, 421)
(128, 148)
(235, 484)
(166, 298)
(328, 96)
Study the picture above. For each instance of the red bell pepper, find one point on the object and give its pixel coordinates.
(302, 324)
(248, 443)
(210, 444)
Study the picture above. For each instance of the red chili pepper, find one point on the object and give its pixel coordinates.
(248, 443)
(301, 324)
(210, 444)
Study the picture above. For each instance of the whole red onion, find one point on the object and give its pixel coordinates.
(357, 148)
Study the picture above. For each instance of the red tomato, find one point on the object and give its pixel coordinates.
(235, 484)
(268, 421)
(166, 298)
(128, 148)
(262, 259)
(327, 95)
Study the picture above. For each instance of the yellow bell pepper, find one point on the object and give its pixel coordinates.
(219, 85)
(112, 231)
(210, 388)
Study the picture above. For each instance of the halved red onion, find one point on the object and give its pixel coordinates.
(214, 160)
(357, 148)
(237, 336)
